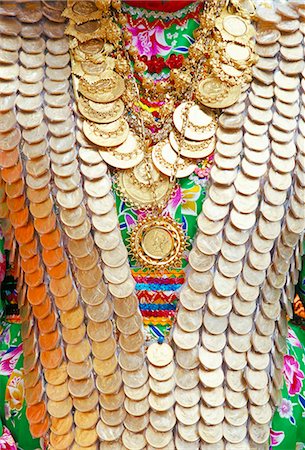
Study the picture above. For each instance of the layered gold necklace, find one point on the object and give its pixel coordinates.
(108, 97)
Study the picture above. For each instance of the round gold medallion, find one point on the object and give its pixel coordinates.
(214, 93)
(133, 186)
(158, 241)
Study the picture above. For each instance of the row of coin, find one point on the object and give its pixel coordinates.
(243, 285)
(209, 418)
(100, 204)
(277, 187)
(31, 263)
(79, 382)
(289, 247)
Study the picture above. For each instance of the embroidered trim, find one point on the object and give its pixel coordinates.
(180, 21)
(139, 13)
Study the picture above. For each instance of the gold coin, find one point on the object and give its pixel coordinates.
(106, 367)
(187, 398)
(129, 325)
(107, 433)
(169, 163)
(94, 296)
(86, 403)
(94, 172)
(139, 377)
(156, 438)
(74, 336)
(98, 331)
(61, 426)
(137, 393)
(61, 442)
(79, 352)
(81, 388)
(107, 135)
(86, 420)
(109, 87)
(100, 112)
(57, 393)
(104, 350)
(59, 409)
(131, 361)
(136, 424)
(109, 384)
(56, 376)
(133, 441)
(85, 438)
(113, 418)
(112, 402)
(162, 373)
(158, 241)
(187, 416)
(187, 359)
(136, 408)
(162, 387)
(214, 93)
(131, 342)
(133, 185)
(79, 371)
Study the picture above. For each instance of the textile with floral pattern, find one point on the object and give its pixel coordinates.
(288, 431)
(14, 427)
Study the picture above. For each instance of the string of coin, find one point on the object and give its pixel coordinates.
(83, 258)
(36, 295)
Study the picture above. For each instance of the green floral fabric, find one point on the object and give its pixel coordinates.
(14, 427)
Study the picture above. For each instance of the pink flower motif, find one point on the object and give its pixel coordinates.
(149, 42)
(174, 202)
(293, 375)
(9, 360)
(285, 409)
(293, 339)
(6, 441)
(2, 266)
(276, 437)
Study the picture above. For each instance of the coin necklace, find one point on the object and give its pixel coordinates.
(98, 91)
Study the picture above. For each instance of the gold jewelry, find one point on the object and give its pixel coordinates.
(135, 189)
(157, 242)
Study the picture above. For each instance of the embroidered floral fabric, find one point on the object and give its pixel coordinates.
(14, 428)
(288, 431)
(163, 35)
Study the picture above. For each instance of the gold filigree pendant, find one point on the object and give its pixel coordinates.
(158, 242)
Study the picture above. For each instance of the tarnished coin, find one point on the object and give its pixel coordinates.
(210, 433)
(136, 424)
(187, 359)
(107, 433)
(156, 438)
(259, 433)
(186, 379)
(133, 441)
(163, 421)
(213, 342)
(136, 408)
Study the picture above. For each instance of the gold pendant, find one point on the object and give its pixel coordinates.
(158, 242)
(136, 191)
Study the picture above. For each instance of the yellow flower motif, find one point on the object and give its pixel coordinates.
(189, 198)
(14, 394)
